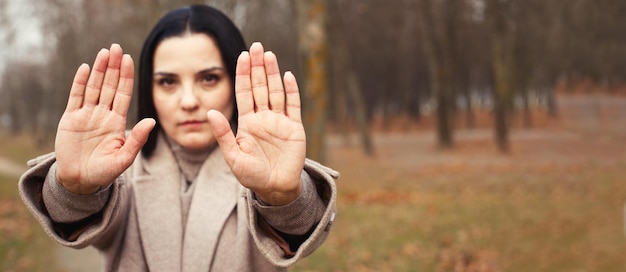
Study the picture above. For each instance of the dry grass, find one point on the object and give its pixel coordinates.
(23, 244)
(506, 221)
(20, 148)
(556, 203)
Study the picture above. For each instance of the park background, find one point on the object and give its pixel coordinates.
(471, 135)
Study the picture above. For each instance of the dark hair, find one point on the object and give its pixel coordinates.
(190, 19)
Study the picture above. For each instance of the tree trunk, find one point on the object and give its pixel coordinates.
(361, 119)
(437, 31)
(552, 108)
(340, 102)
(410, 95)
(502, 94)
(527, 117)
(502, 71)
(313, 53)
(470, 119)
(346, 83)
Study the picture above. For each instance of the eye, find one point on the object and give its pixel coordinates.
(165, 81)
(210, 79)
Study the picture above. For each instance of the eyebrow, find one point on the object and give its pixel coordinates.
(212, 69)
(204, 71)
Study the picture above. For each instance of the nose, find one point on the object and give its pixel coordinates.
(189, 100)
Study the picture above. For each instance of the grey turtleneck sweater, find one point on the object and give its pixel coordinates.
(189, 163)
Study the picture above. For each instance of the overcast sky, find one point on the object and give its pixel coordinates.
(29, 40)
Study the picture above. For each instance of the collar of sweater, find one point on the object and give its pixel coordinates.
(189, 161)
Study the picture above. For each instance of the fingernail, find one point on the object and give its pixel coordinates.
(256, 44)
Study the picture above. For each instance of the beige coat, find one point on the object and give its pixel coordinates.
(139, 228)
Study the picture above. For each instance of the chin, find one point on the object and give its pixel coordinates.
(194, 143)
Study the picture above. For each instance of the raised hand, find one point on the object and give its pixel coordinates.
(267, 154)
(91, 146)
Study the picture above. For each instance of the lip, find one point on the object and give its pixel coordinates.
(192, 123)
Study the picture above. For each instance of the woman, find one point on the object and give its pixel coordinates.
(221, 182)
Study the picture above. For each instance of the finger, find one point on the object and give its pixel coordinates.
(124, 91)
(243, 88)
(77, 91)
(258, 77)
(111, 76)
(223, 134)
(293, 97)
(94, 84)
(137, 138)
(274, 83)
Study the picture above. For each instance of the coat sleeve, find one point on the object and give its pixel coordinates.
(297, 217)
(71, 220)
(322, 179)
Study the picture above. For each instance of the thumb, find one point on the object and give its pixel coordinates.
(137, 138)
(223, 133)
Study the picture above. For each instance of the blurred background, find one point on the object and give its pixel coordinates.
(472, 135)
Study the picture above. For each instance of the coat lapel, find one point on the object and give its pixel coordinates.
(214, 199)
(159, 210)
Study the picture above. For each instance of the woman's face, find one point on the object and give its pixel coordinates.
(190, 78)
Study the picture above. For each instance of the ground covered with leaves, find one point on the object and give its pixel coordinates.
(554, 203)
(23, 245)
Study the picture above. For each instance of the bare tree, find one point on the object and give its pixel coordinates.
(410, 92)
(502, 41)
(438, 35)
(386, 60)
(313, 51)
(346, 94)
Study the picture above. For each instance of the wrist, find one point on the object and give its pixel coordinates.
(77, 188)
(280, 198)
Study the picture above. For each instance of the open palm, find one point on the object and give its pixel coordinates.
(91, 146)
(267, 154)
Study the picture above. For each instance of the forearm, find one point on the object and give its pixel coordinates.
(64, 206)
(273, 232)
(65, 220)
(297, 217)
